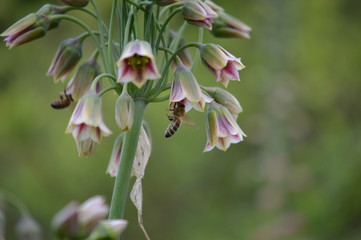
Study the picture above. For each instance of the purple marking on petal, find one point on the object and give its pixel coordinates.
(177, 93)
(230, 72)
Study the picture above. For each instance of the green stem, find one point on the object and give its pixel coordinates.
(121, 185)
(15, 201)
(110, 37)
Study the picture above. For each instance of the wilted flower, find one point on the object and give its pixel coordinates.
(28, 229)
(225, 98)
(137, 64)
(222, 128)
(91, 212)
(227, 26)
(75, 3)
(199, 13)
(65, 223)
(68, 55)
(185, 89)
(124, 111)
(33, 26)
(108, 229)
(86, 123)
(80, 84)
(221, 63)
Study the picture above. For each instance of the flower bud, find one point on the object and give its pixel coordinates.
(214, 6)
(165, 2)
(108, 229)
(80, 84)
(68, 55)
(124, 111)
(221, 63)
(114, 161)
(227, 26)
(33, 26)
(65, 223)
(185, 55)
(91, 212)
(28, 229)
(225, 98)
(199, 13)
(75, 3)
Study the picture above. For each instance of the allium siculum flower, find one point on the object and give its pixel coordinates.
(222, 128)
(28, 228)
(68, 55)
(221, 63)
(86, 123)
(137, 64)
(65, 223)
(33, 26)
(124, 111)
(185, 89)
(75, 3)
(199, 13)
(227, 26)
(80, 84)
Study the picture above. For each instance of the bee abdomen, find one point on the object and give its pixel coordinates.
(172, 128)
(62, 103)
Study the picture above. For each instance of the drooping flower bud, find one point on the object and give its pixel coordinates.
(114, 161)
(108, 229)
(68, 55)
(222, 128)
(165, 2)
(91, 212)
(75, 3)
(185, 55)
(225, 98)
(221, 63)
(65, 223)
(33, 26)
(199, 13)
(28, 229)
(214, 6)
(227, 26)
(86, 123)
(185, 89)
(137, 64)
(124, 111)
(80, 84)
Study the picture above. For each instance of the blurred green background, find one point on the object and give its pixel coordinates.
(296, 176)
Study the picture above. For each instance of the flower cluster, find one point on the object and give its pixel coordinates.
(144, 64)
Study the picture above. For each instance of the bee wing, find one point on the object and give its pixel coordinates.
(186, 119)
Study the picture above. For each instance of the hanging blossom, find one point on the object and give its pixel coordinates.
(137, 64)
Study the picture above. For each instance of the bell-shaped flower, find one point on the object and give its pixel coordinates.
(86, 123)
(214, 6)
(222, 128)
(33, 26)
(227, 26)
(221, 63)
(91, 212)
(124, 111)
(109, 229)
(80, 84)
(137, 64)
(199, 13)
(28, 228)
(225, 98)
(66, 58)
(65, 223)
(75, 3)
(185, 89)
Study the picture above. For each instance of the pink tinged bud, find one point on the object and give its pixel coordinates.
(222, 129)
(28, 229)
(68, 55)
(199, 13)
(86, 123)
(137, 64)
(31, 27)
(113, 165)
(221, 63)
(227, 26)
(185, 89)
(214, 6)
(65, 223)
(91, 212)
(225, 98)
(80, 84)
(108, 229)
(75, 3)
(124, 111)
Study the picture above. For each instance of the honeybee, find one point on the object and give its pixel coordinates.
(62, 102)
(178, 116)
